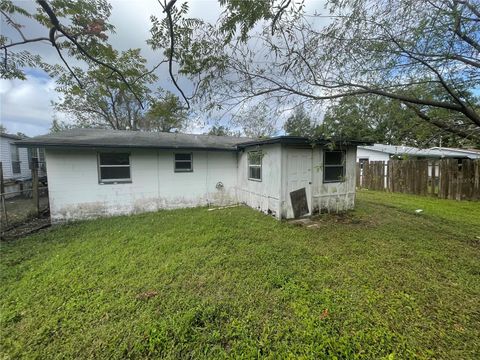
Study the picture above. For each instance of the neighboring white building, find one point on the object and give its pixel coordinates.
(16, 162)
(95, 173)
(14, 159)
(383, 152)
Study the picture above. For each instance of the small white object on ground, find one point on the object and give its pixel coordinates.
(223, 207)
(418, 211)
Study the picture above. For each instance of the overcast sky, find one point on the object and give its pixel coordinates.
(26, 105)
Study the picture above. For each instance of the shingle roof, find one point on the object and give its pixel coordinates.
(101, 138)
(11, 136)
(302, 141)
(132, 139)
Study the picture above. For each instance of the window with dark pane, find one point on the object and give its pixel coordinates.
(113, 159)
(362, 162)
(255, 165)
(334, 166)
(183, 162)
(112, 173)
(114, 167)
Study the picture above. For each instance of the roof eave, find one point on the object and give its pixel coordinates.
(110, 146)
(293, 140)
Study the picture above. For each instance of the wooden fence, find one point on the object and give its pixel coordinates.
(446, 178)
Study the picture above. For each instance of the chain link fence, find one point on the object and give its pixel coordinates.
(23, 199)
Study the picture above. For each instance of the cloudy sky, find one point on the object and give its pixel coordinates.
(26, 105)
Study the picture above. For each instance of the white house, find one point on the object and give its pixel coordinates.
(16, 162)
(95, 173)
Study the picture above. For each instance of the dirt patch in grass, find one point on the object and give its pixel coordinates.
(20, 209)
(26, 228)
(345, 218)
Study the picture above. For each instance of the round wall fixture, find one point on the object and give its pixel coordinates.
(219, 185)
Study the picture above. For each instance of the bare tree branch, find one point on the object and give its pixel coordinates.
(167, 8)
(15, 25)
(149, 72)
(57, 26)
(443, 125)
(457, 29)
(26, 41)
(471, 7)
(54, 44)
(279, 13)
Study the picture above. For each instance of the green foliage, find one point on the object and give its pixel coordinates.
(220, 130)
(242, 15)
(86, 20)
(166, 115)
(105, 100)
(256, 121)
(299, 124)
(386, 121)
(58, 125)
(422, 53)
(235, 283)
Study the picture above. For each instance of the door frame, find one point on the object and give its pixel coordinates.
(308, 188)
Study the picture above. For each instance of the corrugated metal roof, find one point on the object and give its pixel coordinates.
(401, 150)
(471, 153)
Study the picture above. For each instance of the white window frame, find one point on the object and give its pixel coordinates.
(113, 181)
(39, 154)
(362, 161)
(254, 165)
(175, 161)
(342, 165)
(15, 159)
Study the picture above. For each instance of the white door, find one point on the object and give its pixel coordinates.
(299, 175)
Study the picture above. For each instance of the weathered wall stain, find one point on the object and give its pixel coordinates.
(218, 179)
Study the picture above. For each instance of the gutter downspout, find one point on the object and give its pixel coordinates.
(282, 180)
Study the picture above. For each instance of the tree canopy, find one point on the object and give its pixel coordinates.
(77, 29)
(299, 123)
(256, 121)
(422, 54)
(386, 121)
(165, 114)
(393, 49)
(104, 100)
(221, 130)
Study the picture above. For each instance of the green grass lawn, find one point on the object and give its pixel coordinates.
(380, 282)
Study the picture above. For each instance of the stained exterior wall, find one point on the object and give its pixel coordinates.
(262, 195)
(75, 192)
(304, 168)
(218, 178)
(338, 196)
